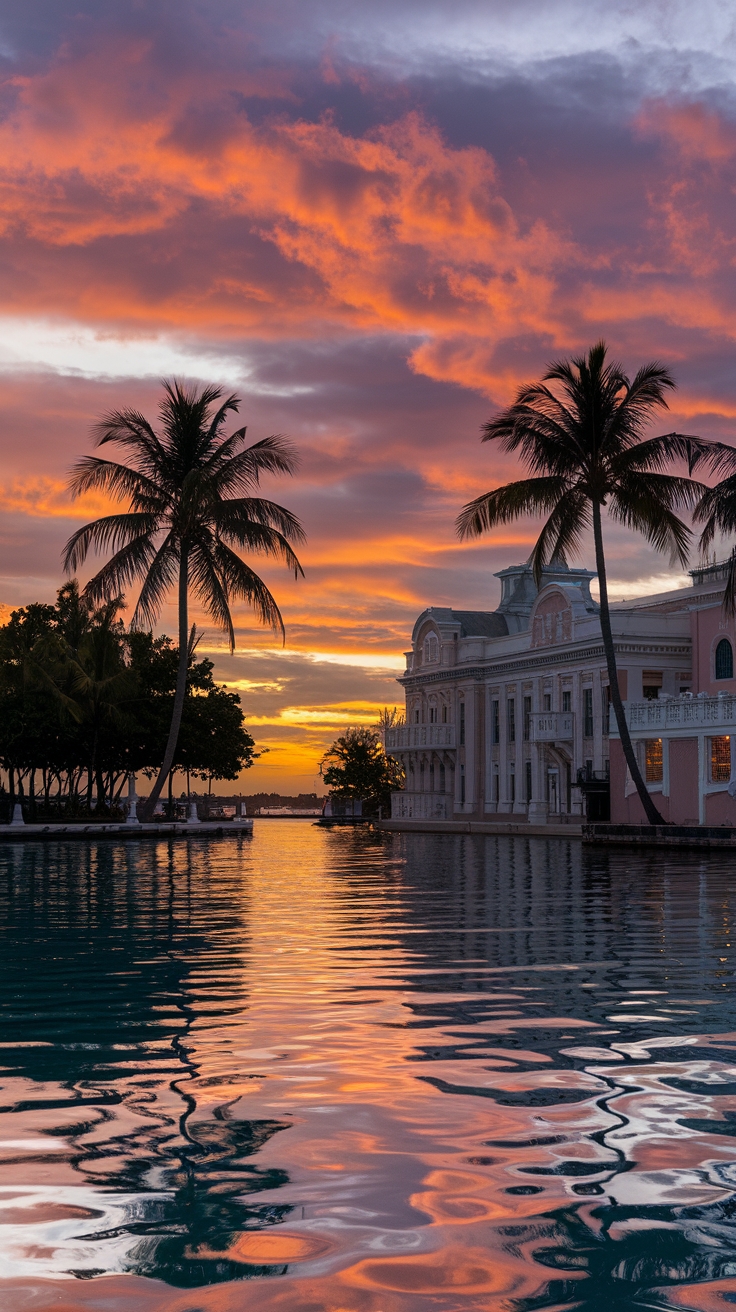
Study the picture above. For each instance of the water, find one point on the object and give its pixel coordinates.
(366, 1073)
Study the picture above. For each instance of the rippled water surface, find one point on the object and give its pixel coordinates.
(342, 1070)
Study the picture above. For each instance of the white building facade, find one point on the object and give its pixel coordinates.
(507, 711)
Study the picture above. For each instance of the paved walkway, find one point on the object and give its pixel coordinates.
(522, 828)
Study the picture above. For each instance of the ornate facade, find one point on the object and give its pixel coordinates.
(507, 711)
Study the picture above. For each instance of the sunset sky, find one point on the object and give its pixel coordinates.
(372, 221)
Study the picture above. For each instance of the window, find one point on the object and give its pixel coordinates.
(496, 785)
(431, 776)
(431, 649)
(512, 787)
(462, 785)
(444, 715)
(442, 778)
(606, 697)
(567, 700)
(548, 701)
(433, 715)
(416, 716)
(587, 712)
(653, 763)
(462, 723)
(511, 719)
(496, 722)
(527, 718)
(528, 781)
(720, 760)
(724, 660)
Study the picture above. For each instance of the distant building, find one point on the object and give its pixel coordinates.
(507, 711)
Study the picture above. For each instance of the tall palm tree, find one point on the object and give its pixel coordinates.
(716, 509)
(581, 439)
(191, 509)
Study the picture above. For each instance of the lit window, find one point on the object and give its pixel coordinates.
(724, 660)
(720, 760)
(654, 770)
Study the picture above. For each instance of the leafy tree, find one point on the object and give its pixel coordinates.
(80, 696)
(356, 766)
(581, 439)
(192, 508)
(83, 665)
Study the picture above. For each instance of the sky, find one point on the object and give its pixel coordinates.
(373, 222)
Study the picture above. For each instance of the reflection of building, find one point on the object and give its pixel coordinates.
(507, 711)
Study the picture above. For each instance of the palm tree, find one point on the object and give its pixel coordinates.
(717, 510)
(582, 442)
(191, 508)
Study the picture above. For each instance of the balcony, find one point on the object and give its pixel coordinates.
(414, 736)
(551, 726)
(421, 806)
(684, 713)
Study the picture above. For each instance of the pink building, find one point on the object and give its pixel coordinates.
(507, 711)
(684, 742)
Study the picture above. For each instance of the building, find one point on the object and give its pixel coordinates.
(507, 711)
(684, 742)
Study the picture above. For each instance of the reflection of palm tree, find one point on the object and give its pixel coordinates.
(191, 510)
(583, 444)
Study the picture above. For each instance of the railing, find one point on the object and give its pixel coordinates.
(420, 735)
(551, 726)
(421, 806)
(679, 712)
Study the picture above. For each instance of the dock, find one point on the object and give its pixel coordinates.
(28, 833)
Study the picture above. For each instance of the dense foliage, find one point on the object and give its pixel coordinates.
(357, 766)
(83, 702)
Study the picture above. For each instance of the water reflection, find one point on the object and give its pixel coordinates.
(364, 1072)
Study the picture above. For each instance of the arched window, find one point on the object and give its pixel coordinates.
(724, 660)
(431, 649)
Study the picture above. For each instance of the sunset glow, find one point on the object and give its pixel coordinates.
(374, 232)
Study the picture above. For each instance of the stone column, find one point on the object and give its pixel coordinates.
(519, 806)
(538, 806)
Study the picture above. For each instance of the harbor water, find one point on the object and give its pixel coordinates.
(349, 1071)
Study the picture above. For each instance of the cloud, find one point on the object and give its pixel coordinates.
(375, 228)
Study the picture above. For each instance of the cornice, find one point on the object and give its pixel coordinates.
(571, 655)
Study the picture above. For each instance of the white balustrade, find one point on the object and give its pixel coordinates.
(409, 736)
(551, 726)
(664, 713)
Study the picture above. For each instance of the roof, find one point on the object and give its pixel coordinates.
(481, 623)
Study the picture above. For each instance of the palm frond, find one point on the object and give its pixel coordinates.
(529, 496)
(241, 581)
(160, 578)
(563, 531)
(109, 533)
(208, 586)
(128, 565)
(243, 471)
(658, 452)
(92, 474)
(646, 510)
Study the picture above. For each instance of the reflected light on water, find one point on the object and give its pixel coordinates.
(365, 1073)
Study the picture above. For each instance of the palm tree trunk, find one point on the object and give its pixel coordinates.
(650, 809)
(181, 686)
